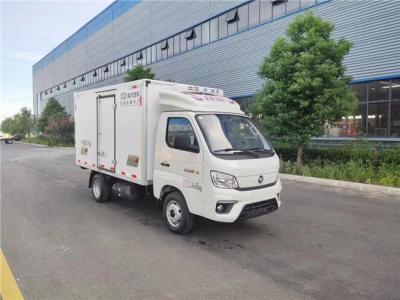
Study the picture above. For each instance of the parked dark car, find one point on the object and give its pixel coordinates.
(17, 137)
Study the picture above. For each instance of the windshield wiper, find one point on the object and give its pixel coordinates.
(240, 151)
(260, 150)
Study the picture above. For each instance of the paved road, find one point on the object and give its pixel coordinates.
(324, 243)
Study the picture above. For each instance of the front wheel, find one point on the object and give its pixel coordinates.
(176, 213)
(101, 188)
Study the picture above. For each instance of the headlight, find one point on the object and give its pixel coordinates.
(224, 181)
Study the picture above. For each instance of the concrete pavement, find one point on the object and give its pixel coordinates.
(324, 242)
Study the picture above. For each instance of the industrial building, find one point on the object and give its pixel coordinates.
(222, 44)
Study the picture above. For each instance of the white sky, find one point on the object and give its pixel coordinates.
(30, 30)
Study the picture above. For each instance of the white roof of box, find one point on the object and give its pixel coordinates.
(173, 100)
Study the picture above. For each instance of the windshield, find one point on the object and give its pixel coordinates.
(232, 133)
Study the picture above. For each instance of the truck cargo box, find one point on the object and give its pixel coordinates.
(115, 127)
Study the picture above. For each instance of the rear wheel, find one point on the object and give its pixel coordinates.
(101, 188)
(176, 213)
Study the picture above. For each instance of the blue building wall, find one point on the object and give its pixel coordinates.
(231, 62)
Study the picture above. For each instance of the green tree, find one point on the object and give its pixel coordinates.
(23, 122)
(52, 108)
(305, 83)
(60, 128)
(139, 72)
(8, 125)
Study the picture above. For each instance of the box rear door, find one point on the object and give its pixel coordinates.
(106, 132)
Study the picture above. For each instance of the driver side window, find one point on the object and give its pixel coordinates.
(180, 135)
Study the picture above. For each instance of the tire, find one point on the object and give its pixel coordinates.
(176, 214)
(100, 188)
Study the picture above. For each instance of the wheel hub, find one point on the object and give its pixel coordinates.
(174, 213)
(96, 189)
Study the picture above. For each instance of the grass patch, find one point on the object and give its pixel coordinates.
(48, 141)
(349, 163)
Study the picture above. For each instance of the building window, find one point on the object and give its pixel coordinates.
(350, 126)
(205, 33)
(171, 47)
(154, 53)
(243, 17)
(395, 119)
(197, 39)
(265, 10)
(148, 55)
(115, 68)
(396, 90)
(254, 13)
(183, 41)
(189, 44)
(164, 49)
(232, 18)
(378, 90)
(144, 58)
(214, 30)
(360, 90)
(378, 119)
(159, 52)
(223, 26)
(190, 37)
(176, 44)
(278, 8)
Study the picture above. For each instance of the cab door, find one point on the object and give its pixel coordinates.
(179, 159)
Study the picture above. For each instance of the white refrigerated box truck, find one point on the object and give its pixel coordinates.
(189, 146)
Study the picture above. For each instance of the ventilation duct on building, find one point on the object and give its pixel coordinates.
(164, 45)
(278, 2)
(190, 34)
(232, 16)
(139, 55)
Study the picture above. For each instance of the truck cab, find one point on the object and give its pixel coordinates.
(214, 161)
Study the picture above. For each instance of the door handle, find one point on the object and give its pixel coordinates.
(165, 164)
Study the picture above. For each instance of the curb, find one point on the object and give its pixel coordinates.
(344, 184)
(38, 145)
(44, 146)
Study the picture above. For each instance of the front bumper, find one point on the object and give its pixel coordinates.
(248, 204)
(256, 209)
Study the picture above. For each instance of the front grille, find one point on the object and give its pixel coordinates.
(258, 209)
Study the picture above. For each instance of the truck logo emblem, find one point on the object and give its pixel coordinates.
(260, 179)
